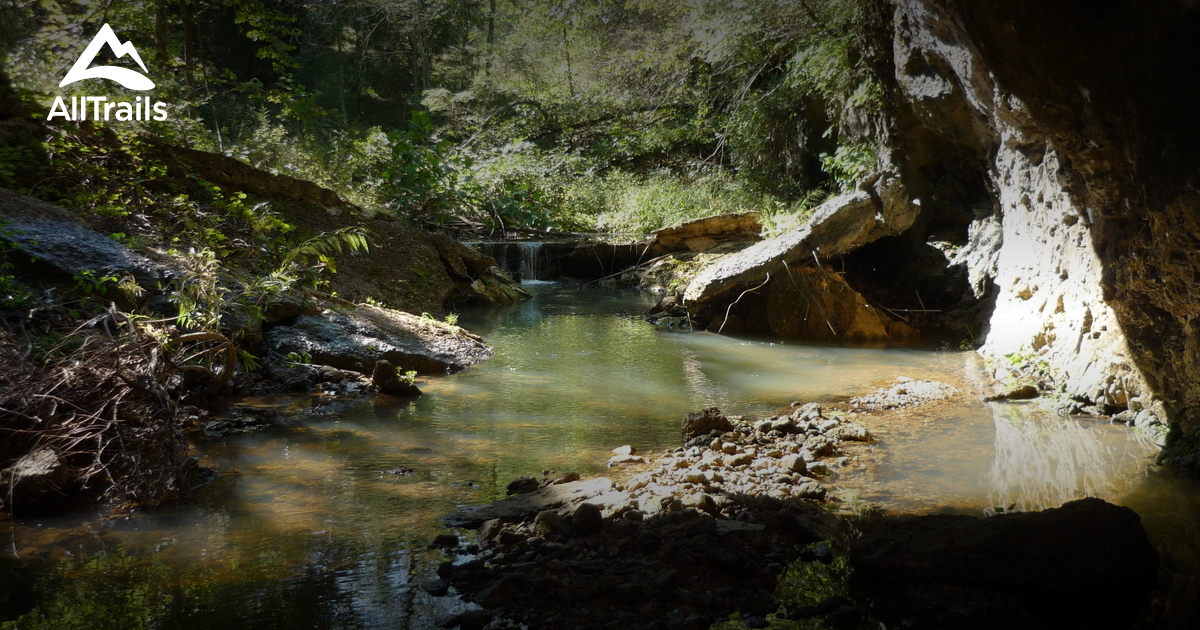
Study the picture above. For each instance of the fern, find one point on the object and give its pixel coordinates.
(323, 246)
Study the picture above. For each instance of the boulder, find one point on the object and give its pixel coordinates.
(55, 246)
(356, 338)
(37, 475)
(704, 422)
(587, 519)
(837, 227)
(815, 303)
(1087, 564)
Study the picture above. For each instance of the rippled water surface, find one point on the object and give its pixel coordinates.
(304, 530)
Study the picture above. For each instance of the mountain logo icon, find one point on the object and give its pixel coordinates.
(126, 77)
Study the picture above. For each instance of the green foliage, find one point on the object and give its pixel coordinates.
(16, 163)
(316, 254)
(87, 281)
(452, 319)
(302, 357)
(849, 164)
(426, 178)
(198, 293)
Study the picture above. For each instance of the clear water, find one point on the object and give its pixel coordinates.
(304, 530)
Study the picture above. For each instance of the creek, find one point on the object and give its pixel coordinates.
(305, 529)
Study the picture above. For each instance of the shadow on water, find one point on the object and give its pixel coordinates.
(305, 529)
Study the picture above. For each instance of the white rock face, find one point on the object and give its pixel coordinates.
(1050, 319)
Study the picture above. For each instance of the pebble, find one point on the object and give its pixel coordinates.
(740, 459)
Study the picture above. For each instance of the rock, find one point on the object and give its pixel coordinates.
(1010, 570)
(489, 530)
(1106, 329)
(823, 554)
(703, 234)
(564, 478)
(500, 591)
(809, 490)
(509, 538)
(37, 475)
(815, 303)
(741, 459)
(522, 485)
(906, 394)
(355, 339)
(445, 541)
(705, 422)
(700, 501)
(587, 519)
(794, 463)
(808, 411)
(621, 460)
(651, 505)
(437, 588)
(819, 445)
(1018, 392)
(521, 507)
(851, 432)
(469, 620)
(700, 243)
(666, 579)
(784, 425)
(624, 450)
(844, 618)
(56, 247)
(837, 227)
(549, 523)
(387, 380)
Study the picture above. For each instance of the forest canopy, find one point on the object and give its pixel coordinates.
(488, 115)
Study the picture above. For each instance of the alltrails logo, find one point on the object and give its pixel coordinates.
(101, 107)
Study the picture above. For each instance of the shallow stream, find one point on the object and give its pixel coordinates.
(304, 529)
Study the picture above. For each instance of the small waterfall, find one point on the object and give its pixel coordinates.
(533, 262)
(524, 260)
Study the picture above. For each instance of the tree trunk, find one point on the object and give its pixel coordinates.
(491, 37)
(160, 31)
(567, 52)
(189, 51)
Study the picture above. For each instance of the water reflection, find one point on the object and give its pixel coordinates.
(1042, 460)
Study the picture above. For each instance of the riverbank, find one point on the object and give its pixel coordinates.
(728, 514)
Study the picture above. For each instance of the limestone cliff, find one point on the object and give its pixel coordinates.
(1076, 118)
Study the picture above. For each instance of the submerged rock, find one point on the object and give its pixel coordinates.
(1086, 564)
(905, 393)
(564, 496)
